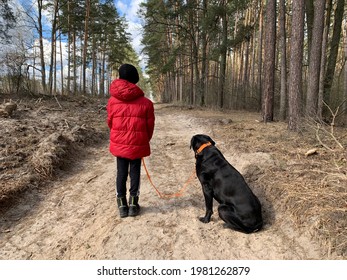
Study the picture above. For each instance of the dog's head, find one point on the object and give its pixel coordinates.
(198, 140)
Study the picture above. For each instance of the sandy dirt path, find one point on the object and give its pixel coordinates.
(76, 216)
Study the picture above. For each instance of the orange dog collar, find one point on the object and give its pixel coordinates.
(202, 147)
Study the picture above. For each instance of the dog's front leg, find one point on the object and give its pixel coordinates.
(208, 194)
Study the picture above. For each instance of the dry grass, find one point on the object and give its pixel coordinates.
(313, 190)
(40, 136)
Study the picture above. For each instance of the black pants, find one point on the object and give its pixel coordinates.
(127, 167)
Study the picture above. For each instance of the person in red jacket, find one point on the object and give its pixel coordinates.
(130, 117)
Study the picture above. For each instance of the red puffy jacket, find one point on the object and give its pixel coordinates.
(130, 117)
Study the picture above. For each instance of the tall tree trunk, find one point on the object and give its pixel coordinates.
(42, 55)
(55, 67)
(68, 82)
(74, 62)
(260, 54)
(61, 66)
(53, 45)
(85, 46)
(309, 7)
(345, 71)
(334, 48)
(295, 69)
(283, 50)
(94, 65)
(253, 66)
(324, 59)
(245, 82)
(196, 44)
(240, 90)
(315, 59)
(191, 75)
(204, 64)
(223, 57)
(101, 89)
(102, 70)
(269, 58)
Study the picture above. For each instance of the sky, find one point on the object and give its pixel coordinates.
(129, 9)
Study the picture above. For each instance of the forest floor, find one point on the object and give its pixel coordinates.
(57, 187)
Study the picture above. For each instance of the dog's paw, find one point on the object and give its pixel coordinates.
(204, 220)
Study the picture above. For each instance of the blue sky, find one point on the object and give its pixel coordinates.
(129, 9)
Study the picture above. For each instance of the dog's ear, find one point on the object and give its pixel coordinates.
(191, 142)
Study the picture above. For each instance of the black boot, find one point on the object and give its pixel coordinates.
(122, 206)
(134, 207)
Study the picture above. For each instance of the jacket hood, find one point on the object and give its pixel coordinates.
(124, 90)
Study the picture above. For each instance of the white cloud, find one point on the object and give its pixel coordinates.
(129, 9)
(121, 7)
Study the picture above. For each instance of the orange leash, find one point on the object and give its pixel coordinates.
(161, 195)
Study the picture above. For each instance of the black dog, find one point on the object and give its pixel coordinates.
(239, 207)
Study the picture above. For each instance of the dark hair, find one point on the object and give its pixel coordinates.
(128, 72)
